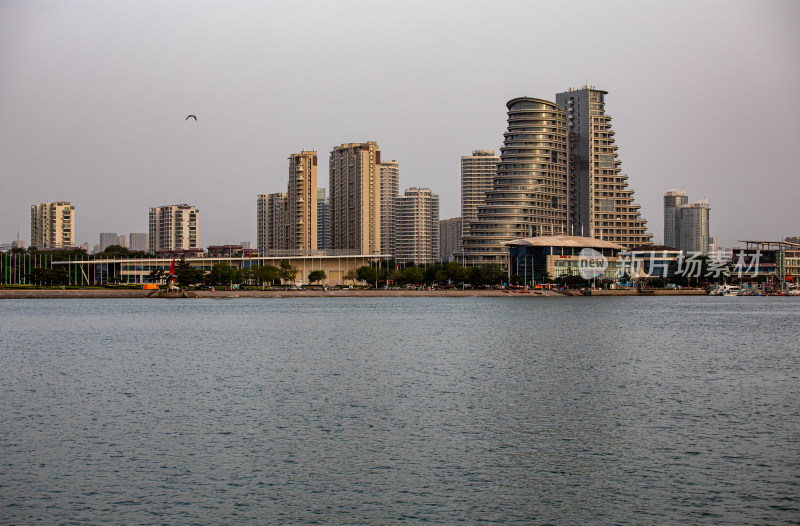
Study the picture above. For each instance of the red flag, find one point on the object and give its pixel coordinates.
(172, 268)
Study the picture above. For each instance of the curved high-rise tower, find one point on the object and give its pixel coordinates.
(529, 196)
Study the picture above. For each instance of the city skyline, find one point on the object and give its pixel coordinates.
(118, 128)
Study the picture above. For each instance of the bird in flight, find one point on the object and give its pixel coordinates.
(191, 117)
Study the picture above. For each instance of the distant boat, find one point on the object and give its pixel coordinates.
(725, 290)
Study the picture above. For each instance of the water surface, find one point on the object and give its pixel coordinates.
(390, 410)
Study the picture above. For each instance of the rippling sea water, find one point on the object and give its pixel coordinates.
(400, 410)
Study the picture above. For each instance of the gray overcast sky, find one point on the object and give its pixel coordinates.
(93, 96)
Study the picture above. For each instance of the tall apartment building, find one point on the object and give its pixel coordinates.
(137, 242)
(601, 203)
(450, 231)
(417, 226)
(107, 239)
(673, 201)
(302, 202)
(174, 227)
(273, 230)
(323, 220)
(477, 173)
(53, 225)
(390, 182)
(355, 197)
(529, 195)
(694, 226)
(686, 225)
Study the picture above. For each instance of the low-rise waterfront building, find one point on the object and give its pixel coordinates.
(658, 261)
(533, 258)
(137, 270)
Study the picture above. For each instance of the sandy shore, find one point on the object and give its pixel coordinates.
(333, 293)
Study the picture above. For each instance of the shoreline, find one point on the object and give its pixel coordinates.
(332, 293)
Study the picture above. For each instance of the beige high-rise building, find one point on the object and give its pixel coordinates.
(174, 227)
(272, 228)
(390, 181)
(477, 173)
(601, 202)
(302, 202)
(529, 195)
(417, 226)
(355, 197)
(53, 225)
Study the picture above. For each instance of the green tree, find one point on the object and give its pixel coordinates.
(48, 276)
(221, 274)
(288, 273)
(316, 275)
(157, 275)
(456, 272)
(268, 274)
(367, 273)
(351, 275)
(413, 275)
(186, 274)
(246, 275)
(490, 274)
(115, 251)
